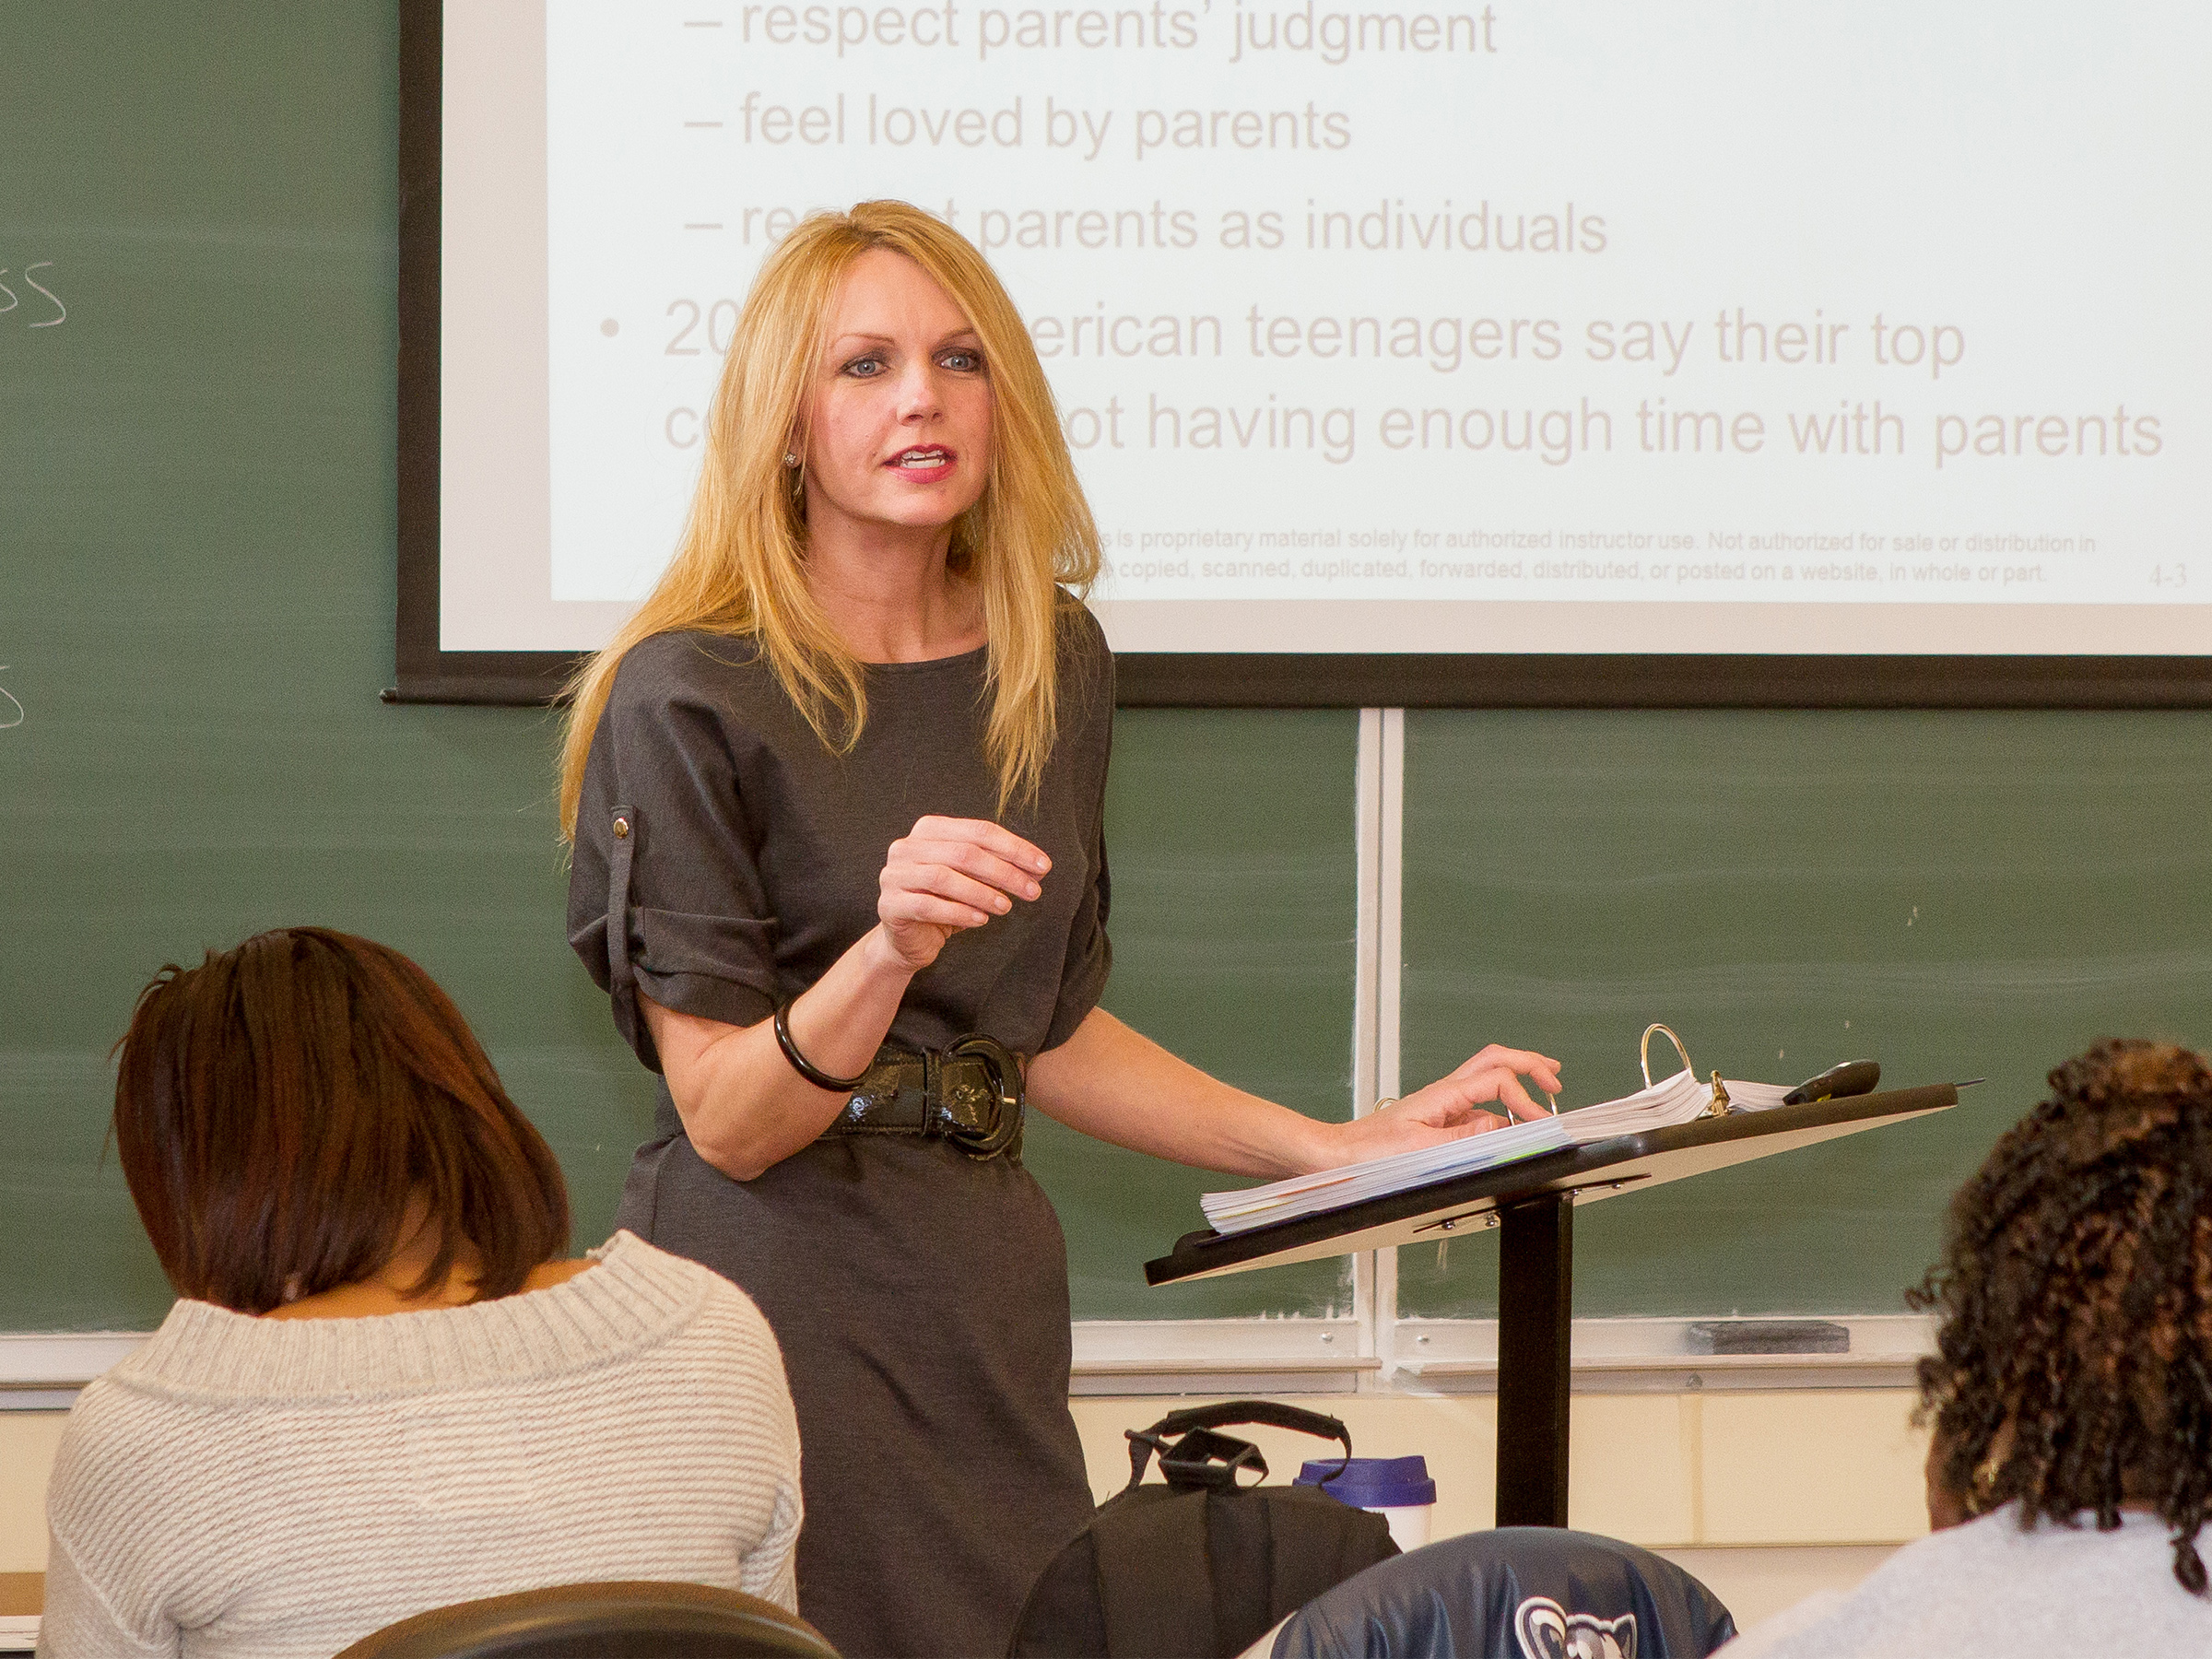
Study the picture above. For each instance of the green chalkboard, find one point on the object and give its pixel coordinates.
(1231, 841)
(196, 593)
(1956, 895)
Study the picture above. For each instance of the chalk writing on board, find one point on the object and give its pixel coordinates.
(11, 711)
(34, 317)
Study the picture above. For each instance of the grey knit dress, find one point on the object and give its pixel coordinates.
(920, 1296)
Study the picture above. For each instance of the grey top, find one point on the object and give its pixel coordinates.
(1987, 1587)
(747, 854)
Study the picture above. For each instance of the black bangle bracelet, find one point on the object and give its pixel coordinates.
(804, 1066)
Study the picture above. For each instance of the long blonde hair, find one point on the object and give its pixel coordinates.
(739, 567)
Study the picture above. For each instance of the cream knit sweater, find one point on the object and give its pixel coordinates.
(250, 1487)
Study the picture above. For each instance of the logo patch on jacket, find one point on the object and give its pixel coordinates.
(1548, 1630)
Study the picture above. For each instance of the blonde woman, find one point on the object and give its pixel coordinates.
(837, 794)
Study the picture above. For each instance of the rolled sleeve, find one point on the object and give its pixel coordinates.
(665, 850)
(1089, 960)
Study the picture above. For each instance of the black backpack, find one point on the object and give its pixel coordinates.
(1200, 1567)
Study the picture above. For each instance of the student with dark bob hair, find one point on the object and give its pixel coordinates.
(288, 1112)
(2070, 1392)
(382, 1391)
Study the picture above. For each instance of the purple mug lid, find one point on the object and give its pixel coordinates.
(1372, 1482)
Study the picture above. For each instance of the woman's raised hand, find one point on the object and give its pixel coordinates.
(1451, 1107)
(949, 874)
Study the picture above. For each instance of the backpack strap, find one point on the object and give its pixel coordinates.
(1146, 1555)
(1144, 1442)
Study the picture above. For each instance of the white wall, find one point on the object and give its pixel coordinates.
(27, 1440)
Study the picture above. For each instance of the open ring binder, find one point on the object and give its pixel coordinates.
(1721, 1105)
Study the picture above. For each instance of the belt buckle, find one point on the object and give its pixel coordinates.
(996, 1111)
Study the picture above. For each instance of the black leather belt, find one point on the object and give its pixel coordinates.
(968, 1093)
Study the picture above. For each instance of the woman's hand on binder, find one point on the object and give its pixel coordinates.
(1453, 1106)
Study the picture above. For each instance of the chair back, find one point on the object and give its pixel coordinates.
(1517, 1593)
(625, 1619)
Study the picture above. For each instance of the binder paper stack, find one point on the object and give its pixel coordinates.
(1679, 1099)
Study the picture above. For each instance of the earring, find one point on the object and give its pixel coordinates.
(790, 459)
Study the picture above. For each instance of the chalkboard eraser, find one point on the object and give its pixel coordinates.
(1769, 1336)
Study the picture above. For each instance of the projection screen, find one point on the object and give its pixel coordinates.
(1510, 352)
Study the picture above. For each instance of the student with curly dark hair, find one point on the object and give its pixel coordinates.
(2070, 1393)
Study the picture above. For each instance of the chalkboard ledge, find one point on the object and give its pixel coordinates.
(1135, 1357)
(1658, 1356)
(43, 1372)
(1138, 1357)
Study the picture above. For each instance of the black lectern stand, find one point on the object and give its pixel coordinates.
(1533, 1204)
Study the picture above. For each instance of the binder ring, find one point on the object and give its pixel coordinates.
(1644, 1053)
(1719, 1106)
